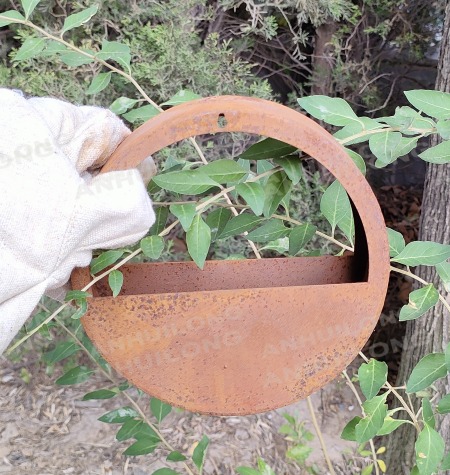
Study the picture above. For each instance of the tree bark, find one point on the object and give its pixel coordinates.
(430, 333)
(323, 60)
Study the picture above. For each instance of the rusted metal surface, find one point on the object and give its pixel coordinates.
(172, 277)
(242, 337)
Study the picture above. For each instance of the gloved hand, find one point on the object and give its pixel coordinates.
(53, 213)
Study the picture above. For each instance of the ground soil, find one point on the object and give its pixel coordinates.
(49, 430)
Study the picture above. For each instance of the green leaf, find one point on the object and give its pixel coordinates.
(76, 295)
(264, 469)
(161, 216)
(357, 160)
(372, 376)
(447, 357)
(52, 47)
(115, 281)
(122, 104)
(187, 182)
(199, 453)
(268, 148)
(335, 206)
(185, 213)
(104, 260)
(11, 16)
(443, 270)
(348, 432)
(376, 411)
(407, 118)
(253, 194)
(433, 103)
(76, 375)
(152, 246)
(75, 59)
(390, 424)
(159, 409)
(129, 429)
(100, 82)
(430, 368)
(388, 146)
(165, 471)
(347, 226)
(438, 154)
(61, 351)
(425, 253)
(141, 114)
(446, 462)
(100, 394)
(300, 236)
(276, 188)
(145, 431)
(430, 449)
(427, 413)
(444, 405)
(279, 245)
(367, 470)
(239, 225)
(247, 471)
(78, 19)
(443, 128)
(29, 6)
(332, 110)
(118, 52)
(263, 166)
(292, 166)
(180, 97)
(118, 416)
(30, 48)
(420, 301)
(142, 446)
(217, 220)
(269, 231)
(224, 171)
(415, 471)
(82, 309)
(299, 453)
(396, 242)
(198, 240)
(175, 456)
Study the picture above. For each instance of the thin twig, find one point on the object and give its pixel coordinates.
(319, 435)
(424, 282)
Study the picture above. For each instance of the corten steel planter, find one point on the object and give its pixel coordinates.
(242, 337)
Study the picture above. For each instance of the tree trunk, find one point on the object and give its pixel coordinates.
(430, 333)
(323, 60)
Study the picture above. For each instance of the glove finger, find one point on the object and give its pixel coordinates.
(114, 210)
(87, 135)
(147, 169)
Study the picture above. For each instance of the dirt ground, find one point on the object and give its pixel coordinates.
(48, 430)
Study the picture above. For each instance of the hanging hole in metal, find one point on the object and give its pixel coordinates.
(222, 121)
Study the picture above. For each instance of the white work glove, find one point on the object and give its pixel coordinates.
(52, 212)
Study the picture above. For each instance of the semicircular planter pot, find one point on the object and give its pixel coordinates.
(242, 337)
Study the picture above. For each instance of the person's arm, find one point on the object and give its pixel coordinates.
(53, 213)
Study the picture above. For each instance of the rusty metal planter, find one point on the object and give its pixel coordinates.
(242, 337)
